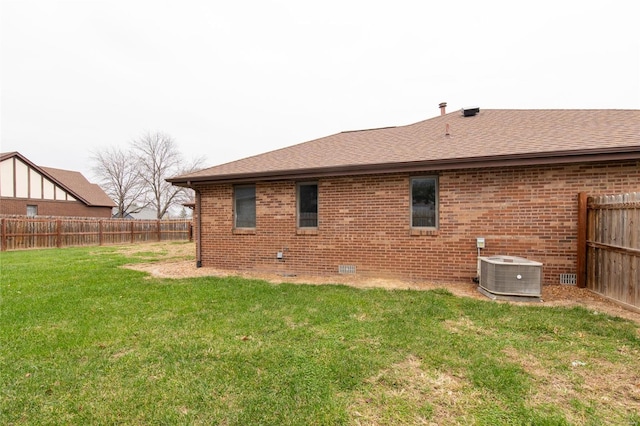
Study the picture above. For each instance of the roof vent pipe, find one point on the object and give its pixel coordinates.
(443, 107)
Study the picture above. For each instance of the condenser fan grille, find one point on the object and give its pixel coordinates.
(511, 276)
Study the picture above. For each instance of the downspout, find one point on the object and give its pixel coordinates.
(197, 211)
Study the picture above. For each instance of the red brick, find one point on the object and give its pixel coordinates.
(365, 221)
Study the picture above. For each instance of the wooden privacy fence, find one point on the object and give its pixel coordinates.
(612, 246)
(25, 233)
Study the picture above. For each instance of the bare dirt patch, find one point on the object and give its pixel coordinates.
(614, 384)
(411, 384)
(177, 260)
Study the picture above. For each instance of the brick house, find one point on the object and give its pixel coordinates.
(410, 201)
(31, 190)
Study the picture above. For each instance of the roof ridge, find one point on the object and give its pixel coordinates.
(525, 135)
(368, 130)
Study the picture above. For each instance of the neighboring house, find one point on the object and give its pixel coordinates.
(151, 214)
(410, 201)
(31, 190)
(138, 213)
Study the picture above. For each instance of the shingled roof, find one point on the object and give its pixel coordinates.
(89, 192)
(491, 138)
(73, 182)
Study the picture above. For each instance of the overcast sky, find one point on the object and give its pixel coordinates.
(230, 79)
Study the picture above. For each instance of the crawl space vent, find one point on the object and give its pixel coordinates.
(346, 269)
(568, 279)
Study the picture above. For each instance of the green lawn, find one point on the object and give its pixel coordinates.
(83, 341)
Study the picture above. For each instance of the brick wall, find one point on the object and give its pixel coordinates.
(364, 221)
(18, 206)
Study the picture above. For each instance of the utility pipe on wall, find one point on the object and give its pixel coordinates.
(197, 211)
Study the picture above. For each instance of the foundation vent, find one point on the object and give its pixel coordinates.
(568, 279)
(346, 269)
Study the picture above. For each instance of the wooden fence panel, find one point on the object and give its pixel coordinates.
(116, 231)
(174, 231)
(613, 247)
(19, 233)
(79, 232)
(33, 233)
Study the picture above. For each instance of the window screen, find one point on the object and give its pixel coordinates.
(424, 205)
(245, 206)
(308, 205)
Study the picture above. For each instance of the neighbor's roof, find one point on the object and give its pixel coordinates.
(89, 192)
(489, 139)
(73, 182)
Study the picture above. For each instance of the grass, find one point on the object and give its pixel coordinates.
(83, 341)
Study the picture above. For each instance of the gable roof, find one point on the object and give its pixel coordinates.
(491, 138)
(73, 182)
(90, 193)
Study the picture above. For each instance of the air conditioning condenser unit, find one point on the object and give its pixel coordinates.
(510, 277)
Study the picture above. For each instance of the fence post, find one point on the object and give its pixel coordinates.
(581, 263)
(132, 240)
(100, 232)
(58, 233)
(158, 227)
(3, 231)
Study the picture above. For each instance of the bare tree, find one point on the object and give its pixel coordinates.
(120, 178)
(158, 158)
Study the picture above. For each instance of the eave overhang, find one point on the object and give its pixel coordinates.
(511, 160)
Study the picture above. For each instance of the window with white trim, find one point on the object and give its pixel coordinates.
(244, 206)
(424, 202)
(32, 210)
(308, 205)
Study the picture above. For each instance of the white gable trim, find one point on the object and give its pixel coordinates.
(19, 180)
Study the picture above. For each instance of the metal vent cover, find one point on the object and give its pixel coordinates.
(568, 279)
(511, 276)
(470, 111)
(346, 269)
